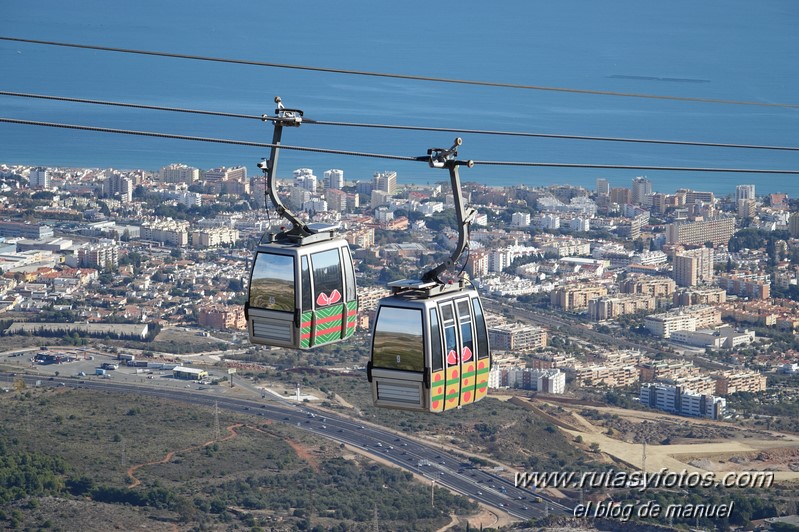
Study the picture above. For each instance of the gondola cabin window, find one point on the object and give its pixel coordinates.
(482, 332)
(467, 346)
(398, 341)
(328, 286)
(437, 361)
(272, 285)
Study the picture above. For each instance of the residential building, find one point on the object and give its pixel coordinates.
(613, 375)
(171, 232)
(648, 285)
(740, 381)
(621, 195)
(642, 187)
(694, 267)
(683, 319)
(213, 237)
(334, 179)
(677, 400)
(386, 182)
(744, 192)
(516, 337)
(608, 308)
(179, 173)
(542, 380)
(39, 177)
(705, 295)
(104, 255)
(717, 230)
(119, 186)
(576, 297)
(222, 317)
(746, 284)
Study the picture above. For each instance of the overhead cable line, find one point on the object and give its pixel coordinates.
(208, 139)
(555, 136)
(396, 76)
(407, 128)
(386, 156)
(127, 104)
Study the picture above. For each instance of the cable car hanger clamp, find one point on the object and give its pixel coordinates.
(447, 158)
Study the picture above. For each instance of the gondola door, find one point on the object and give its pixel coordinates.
(462, 357)
(452, 349)
(483, 354)
(329, 303)
(438, 376)
(468, 353)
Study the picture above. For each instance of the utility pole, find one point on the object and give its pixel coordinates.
(433, 493)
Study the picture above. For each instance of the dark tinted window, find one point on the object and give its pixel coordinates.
(272, 282)
(398, 340)
(307, 295)
(349, 275)
(480, 327)
(327, 277)
(465, 320)
(450, 337)
(437, 362)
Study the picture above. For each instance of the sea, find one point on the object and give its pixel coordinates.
(735, 50)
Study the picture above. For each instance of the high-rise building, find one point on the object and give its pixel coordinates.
(744, 192)
(179, 173)
(215, 175)
(694, 267)
(602, 186)
(716, 230)
(642, 187)
(119, 185)
(621, 195)
(386, 182)
(101, 255)
(39, 178)
(305, 179)
(334, 179)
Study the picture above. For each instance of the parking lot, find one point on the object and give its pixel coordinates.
(82, 364)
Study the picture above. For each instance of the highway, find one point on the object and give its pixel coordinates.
(435, 464)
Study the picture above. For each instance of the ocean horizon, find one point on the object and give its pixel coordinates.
(729, 50)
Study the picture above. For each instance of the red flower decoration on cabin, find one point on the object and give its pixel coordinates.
(452, 357)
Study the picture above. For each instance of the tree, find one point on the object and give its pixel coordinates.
(594, 447)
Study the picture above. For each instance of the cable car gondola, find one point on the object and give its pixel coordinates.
(430, 349)
(302, 291)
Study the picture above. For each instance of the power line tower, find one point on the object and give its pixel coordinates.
(643, 457)
(217, 428)
(375, 521)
